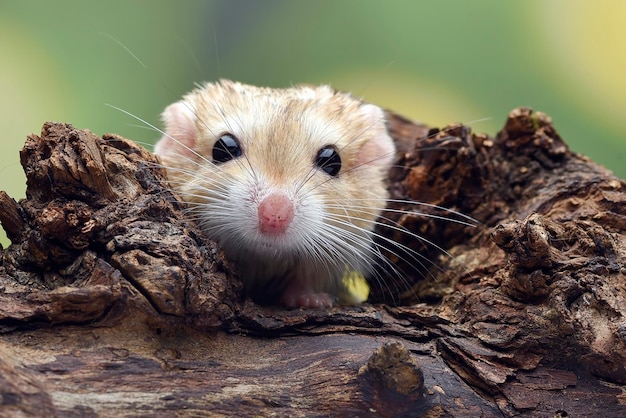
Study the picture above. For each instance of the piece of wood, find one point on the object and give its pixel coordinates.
(113, 304)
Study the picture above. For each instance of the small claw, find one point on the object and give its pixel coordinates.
(308, 300)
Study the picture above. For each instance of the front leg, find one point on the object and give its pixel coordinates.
(308, 287)
(300, 295)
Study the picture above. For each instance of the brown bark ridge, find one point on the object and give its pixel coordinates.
(113, 304)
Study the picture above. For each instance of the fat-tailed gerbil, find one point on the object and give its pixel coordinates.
(289, 182)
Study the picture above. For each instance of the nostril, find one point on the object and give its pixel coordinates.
(275, 214)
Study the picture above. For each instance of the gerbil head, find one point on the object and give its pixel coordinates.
(285, 174)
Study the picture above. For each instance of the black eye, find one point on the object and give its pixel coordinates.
(226, 148)
(328, 160)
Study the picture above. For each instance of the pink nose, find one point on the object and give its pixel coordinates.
(275, 214)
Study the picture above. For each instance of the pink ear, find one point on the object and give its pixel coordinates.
(380, 150)
(180, 131)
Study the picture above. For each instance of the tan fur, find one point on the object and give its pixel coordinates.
(280, 132)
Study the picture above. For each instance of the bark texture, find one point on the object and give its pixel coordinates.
(113, 304)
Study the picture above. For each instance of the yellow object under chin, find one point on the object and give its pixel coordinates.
(356, 290)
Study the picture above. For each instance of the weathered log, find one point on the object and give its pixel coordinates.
(113, 304)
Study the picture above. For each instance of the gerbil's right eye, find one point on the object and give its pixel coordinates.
(328, 160)
(226, 148)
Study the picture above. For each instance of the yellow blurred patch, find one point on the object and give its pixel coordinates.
(356, 288)
(585, 43)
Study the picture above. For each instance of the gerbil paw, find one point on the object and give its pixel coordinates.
(293, 300)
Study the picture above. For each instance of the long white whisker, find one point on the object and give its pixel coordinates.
(368, 209)
(397, 244)
(119, 43)
(391, 241)
(430, 205)
(374, 255)
(197, 154)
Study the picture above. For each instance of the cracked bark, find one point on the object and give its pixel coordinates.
(113, 304)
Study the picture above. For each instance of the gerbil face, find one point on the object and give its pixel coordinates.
(291, 175)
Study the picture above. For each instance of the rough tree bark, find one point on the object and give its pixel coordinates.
(113, 304)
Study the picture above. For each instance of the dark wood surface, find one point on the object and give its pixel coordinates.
(113, 304)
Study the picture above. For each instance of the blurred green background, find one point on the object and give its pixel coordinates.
(435, 61)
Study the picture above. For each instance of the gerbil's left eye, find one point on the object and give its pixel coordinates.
(226, 148)
(328, 159)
